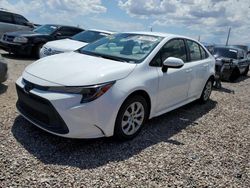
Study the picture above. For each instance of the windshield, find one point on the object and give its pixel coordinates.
(89, 36)
(225, 52)
(123, 47)
(46, 29)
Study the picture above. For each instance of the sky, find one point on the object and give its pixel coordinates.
(207, 19)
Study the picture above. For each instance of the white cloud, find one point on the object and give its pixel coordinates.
(209, 17)
(116, 25)
(55, 11)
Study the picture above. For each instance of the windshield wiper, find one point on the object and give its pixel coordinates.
(111, 57)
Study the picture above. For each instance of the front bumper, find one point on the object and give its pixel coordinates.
(16, 48)
(224, 70)
(69, 117)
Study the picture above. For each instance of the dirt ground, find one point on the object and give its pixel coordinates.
(194, 146)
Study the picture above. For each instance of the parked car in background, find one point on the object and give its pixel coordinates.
(234, 61)
(73, 43)
(243, 47)
(3, 71)
(13, 22)
(31, 42)
(112, 86)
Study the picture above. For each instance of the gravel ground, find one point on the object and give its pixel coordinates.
(194, 146)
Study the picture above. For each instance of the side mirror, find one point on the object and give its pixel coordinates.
(172, 62)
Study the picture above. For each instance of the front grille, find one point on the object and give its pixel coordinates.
(40, 111)
(8, 38)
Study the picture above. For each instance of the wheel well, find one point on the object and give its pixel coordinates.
(212, 78)
(143, 94)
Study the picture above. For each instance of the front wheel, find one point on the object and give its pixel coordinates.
(206, 92)
(246, 71)
(131, 118)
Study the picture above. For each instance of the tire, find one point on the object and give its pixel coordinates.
(234, 75)
(129, 122)
(246, 71)
(206, 92)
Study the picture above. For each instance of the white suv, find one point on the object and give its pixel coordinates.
(112, 86)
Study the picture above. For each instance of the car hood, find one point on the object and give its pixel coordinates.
(25, 34)
(75, 69)
(65, 45)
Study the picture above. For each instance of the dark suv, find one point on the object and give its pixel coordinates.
(13, 22)
(231, 61)
(30, 42)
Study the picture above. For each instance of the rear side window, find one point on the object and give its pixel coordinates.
(6, 17)
(68, 31)
(20, 20)
(204, 54)
(194, 50)
(174, 48)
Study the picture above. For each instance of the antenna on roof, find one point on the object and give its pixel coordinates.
(229, 31)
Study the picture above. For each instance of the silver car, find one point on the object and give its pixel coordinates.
(13, 22)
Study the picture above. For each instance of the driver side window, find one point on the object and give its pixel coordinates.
(174, 48)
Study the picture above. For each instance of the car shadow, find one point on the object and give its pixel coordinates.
(3, 88)
(224, 90)
(17, 57)
(89, 154)
(242, 78)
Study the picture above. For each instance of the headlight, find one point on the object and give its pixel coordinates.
(20, 40)
(89, 93)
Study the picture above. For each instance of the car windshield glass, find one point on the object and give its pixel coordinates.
(46, 29)
(123, 47)
(89, 36)
(225, 52)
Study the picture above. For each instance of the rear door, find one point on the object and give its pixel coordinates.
(21, 22)
(6, 22)
(199, 63)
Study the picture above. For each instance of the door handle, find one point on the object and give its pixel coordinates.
(206, 65)
(189, 70)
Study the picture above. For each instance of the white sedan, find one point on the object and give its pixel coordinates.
(112, 86)
(71, 44)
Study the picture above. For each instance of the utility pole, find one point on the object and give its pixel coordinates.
(151, 28)
(229, 31)
(199, 38)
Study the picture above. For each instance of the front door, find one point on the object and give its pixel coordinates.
(173, 84)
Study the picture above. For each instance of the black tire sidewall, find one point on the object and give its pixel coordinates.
(118, 132)
(246, 71)
(202, 100)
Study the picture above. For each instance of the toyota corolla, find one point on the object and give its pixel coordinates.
(112, 86)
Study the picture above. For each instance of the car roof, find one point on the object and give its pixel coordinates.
(229, 47)
(58, 25)
(101, 31)
(159, 34)
(8, 11)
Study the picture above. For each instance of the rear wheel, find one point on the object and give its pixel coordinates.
(206, 91)
(131, 118)
(246, 71)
